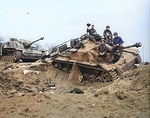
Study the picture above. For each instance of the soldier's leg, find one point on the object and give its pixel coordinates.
(92, 38)
(107, 41)
(97, 37)
(113, 50)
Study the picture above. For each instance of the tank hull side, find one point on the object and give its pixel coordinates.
(127, 60)
(30, 57)
(128, 65)
(89, 68)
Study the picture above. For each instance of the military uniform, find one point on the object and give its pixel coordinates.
(108, 36)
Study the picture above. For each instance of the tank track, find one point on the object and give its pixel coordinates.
(112, 73)
(15, 58)
(7, 58)
(106, 75)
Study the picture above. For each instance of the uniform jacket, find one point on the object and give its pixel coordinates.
(91, 31)
(118, 40)
(107, 31)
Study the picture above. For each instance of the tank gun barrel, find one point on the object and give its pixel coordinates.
(134, 45)
(37, 40)
(27, 45)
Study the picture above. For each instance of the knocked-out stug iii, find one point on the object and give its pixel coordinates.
(14, 50)
(87, 62)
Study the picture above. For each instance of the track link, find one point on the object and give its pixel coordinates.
(7, 59)
(113, 73)
(106, 75)
(15, 58)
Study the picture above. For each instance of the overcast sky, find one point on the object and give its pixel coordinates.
(60, 20)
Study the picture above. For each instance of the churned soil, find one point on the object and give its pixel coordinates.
(29, 95)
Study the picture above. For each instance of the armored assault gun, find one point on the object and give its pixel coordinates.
(87, 62)
(14, 50)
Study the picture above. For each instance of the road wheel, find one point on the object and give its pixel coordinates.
(106, 77)
(65, 69)
(99, 79)
(92, 78)
(85, 76)
(60, 66)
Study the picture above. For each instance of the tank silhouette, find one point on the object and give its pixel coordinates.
(14, 50)
(87, 62)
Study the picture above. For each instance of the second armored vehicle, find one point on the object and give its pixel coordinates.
(14, 50)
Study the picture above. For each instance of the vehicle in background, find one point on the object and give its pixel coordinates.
(14, 50)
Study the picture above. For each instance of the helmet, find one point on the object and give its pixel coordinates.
(107, 26)
(115, 33)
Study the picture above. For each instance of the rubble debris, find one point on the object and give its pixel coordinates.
(47, 60)
(53, 88)
(101, 92)
(13, 91)
(41, 88)
(27, 71)
(50, 84)
(61, 91)
(120, 95)
(22, 66)
(2, 85)
(41, 67)
(76, 91)
(20, 94)
(50, 88)
(52, 92)
(9, 96)
(16, 83)
(28, 89)
(136, 65)
(8, 67)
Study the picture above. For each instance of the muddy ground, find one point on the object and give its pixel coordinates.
(23, 96)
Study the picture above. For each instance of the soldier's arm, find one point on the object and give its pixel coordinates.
(121, 41)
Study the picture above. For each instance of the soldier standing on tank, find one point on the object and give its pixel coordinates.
(117, 43)
(108, 35)
(93, 34)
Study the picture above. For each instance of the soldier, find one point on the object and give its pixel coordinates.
(102, 47)
(108, 35)
(117, 43)
(93, 34)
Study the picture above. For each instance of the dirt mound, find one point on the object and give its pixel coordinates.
(25, 95)
(140, 77)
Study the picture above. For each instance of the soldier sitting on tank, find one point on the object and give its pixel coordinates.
(102, 47)
(108, 35)
(117, 44)
(93, 34)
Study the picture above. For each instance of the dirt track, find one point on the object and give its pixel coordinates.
(29, 95)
